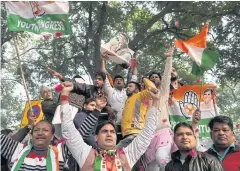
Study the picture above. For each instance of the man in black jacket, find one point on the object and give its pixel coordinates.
(224, 146)
(187, 158)
(48, 105)
(92, 91)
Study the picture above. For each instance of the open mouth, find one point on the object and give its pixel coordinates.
(185, 142)
(40, 138)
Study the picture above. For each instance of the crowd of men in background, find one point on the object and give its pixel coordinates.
(113, 125)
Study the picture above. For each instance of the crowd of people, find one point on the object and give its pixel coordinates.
(115, 125)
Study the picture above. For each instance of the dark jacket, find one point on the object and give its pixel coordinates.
(48, 108)
(75, 99)
(90, 91)
(198, 162)
(231, 150)
(232, 160)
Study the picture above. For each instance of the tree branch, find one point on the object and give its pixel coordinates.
(98, 34)
(143, 30)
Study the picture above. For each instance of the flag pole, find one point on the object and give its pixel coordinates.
(214, 103)
(201, 92)
(21, 70)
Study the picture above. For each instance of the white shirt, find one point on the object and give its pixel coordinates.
(117, 98)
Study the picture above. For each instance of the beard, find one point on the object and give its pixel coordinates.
(119, 87)
(129, 93)
(173, 77)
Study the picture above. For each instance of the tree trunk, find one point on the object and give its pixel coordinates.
(97, 38)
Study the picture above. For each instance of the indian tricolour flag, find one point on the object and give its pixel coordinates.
(196, 47)
(38, 16)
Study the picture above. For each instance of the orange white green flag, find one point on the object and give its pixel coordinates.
(196, 47)
(38, 16)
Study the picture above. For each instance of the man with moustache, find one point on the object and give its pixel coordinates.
(224, 146)
(107, 156)
(134, 112)
(117, 95)
(38, 154)
(187, 157)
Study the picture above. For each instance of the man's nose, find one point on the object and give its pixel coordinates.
(221, 132)
(40, 132)
(109, 134)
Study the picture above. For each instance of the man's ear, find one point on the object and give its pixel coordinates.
(96, 138)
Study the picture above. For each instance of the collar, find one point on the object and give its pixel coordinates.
(232, 147)
(192, 154)
(86, 111)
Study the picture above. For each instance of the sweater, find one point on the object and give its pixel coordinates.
(35, 161)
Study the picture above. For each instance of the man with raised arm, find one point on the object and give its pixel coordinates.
(117, 95)
(107, 157)
(161, 146)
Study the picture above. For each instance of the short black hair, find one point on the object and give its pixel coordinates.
(53, 128)
(102, 74)
(221, 119)
(78, 76)
(118, 76)
(102, 124)
(6, 131)
(137, 85)
(182, 124)
(89, 100)
(157, 73)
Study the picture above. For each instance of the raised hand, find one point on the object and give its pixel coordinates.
(154, 93)
(53, 72)
(196, 116)
(170, 52)
(189, 104)
(31, 119)
(133, 62)
(67, 87)
(101, 102)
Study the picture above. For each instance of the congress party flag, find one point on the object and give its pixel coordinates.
(37, 110)
(186, 99)
(38, 16)
(196, 47)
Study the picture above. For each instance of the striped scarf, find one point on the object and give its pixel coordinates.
(52, 162)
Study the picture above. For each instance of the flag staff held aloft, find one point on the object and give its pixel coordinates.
(21, 71)
(37, 17)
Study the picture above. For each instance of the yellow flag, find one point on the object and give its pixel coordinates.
(37, 110)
